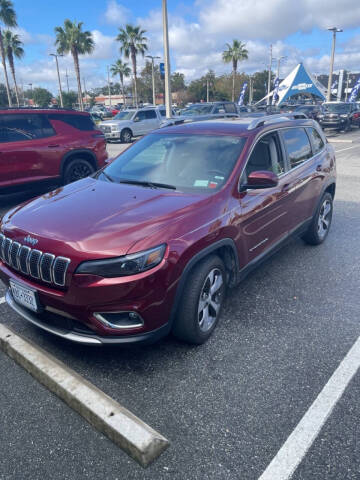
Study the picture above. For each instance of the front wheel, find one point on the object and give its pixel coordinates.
(126, 136)
(201, 303)
(320, 224)
(77, 169)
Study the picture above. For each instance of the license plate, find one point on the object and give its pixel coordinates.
(25, 296)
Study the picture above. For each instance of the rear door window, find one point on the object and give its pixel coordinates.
(22, 127)
(297, 145)
(80, 122)
(150, 114)
(230, 108)
(316, 140)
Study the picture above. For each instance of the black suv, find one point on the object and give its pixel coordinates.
(339, 115)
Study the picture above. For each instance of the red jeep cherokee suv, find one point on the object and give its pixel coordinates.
(42, 145)
(150, 243)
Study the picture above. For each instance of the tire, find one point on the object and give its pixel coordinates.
(126, 135)
(77, 169)
(195, 324)
(321, 222)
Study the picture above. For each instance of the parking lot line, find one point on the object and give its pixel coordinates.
(298, 443)
(2, 300)
(130, 433)
(347, 148)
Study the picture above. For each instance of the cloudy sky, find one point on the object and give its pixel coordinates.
(198, 32)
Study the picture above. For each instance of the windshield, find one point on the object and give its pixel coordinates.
(337, 107)
(190, 163)
(197, 110)
(124, 116)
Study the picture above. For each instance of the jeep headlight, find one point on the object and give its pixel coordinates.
(114, 128)
(343, 115)
(123, 266)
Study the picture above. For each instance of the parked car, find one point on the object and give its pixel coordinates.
(102, 111)
(339, 115)
(207, 111)
(311, 111)
(47, 145)
(133, 123)
(151, 243)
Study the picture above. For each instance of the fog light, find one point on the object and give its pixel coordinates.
(120, 320)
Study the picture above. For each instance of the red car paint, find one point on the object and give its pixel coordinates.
(32, 160)
(91, 219)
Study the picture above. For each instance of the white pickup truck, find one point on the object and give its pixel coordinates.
(133, 123)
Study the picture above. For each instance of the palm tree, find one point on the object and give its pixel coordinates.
(132, 42)
(235, 53)
(72, 39)
(123, 70)
(13, 48)
(8, 19)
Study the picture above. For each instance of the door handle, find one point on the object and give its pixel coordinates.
(286, 187)
(319, 168)
(52, 146)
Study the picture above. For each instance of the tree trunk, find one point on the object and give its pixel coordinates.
(77, 72)
(3, 59)
(234, 77)
(133, 59)
(12, 68)
(122, 87)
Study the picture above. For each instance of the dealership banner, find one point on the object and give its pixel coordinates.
(275, 91)
(354, 91)
(242, 94)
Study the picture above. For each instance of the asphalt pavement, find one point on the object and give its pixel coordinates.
(228, 406)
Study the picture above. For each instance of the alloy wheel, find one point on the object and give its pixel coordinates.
(210, 299)
(324, 218)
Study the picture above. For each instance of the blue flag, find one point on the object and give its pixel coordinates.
(242, 94)
(275, 97)
(354, 91)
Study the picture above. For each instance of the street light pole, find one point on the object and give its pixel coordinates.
(67, 80)
(269, 78)
(278, 65)
(335, 30)
(153, 76)
(58, 74)
(166, 60)
(109, 86)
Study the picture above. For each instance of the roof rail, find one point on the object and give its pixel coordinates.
(279, 117)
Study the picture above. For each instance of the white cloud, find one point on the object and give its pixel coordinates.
(268, 20)
(105, 47)
(116, 14)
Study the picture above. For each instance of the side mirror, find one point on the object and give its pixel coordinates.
(261, 179)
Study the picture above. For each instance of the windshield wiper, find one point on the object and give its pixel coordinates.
(147, 184)
(107, 176)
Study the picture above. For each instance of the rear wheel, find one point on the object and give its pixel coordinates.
(200, 306)
(320, 225)
(126, 136)
(77, 169)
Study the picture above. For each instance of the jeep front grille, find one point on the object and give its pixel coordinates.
(34, 263)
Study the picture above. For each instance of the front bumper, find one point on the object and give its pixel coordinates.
(69, 332)
(112, 135)
(333, 123)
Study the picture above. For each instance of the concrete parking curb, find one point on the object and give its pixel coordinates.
(336, 140)
(122, 427)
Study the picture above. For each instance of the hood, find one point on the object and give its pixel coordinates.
(94, 218)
